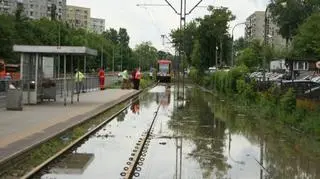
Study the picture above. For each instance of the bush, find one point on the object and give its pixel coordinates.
(195, 75)
(226, 81)
(145, 82)
(245, 90)
(269, 104)
(288, 101)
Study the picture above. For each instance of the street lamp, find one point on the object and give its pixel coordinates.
(232, 50)
(265, 41)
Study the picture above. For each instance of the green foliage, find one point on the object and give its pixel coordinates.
(249, 58)
(195, 75)
(111, 44)
(254, 54)
(203, 35)
(212, 32)
(145, 82)
(240, 44)
(196, 56)
(292, 14)
(164, 55)
(288, 101)
(245, 90)
(280, 108)
(307, 41)
(184, 39)
(226, 81)
(146, 55)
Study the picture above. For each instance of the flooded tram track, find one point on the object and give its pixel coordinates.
(157, 138)
(137, 157)
(134, 164)
(76, 142)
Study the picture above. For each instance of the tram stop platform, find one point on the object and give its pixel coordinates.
(36, 123)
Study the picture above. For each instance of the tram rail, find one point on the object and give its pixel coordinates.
(59, 154)
(74, 143)
(140, 150)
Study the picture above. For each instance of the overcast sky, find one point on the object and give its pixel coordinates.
(148, 23)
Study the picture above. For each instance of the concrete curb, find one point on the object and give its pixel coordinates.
(83, 118)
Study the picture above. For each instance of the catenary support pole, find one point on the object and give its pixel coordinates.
(65, 80)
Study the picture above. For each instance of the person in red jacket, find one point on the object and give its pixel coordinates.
(101, 75)
(136, 76)
(133, 75)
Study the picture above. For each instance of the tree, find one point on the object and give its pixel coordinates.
(112, 35)
(240, 44)
(196, 56)
(307, 42)
(185, 38)
(249, 58)
(164, 55)
(212, 32)
(145, 55)
(53, 12)
(123, 37)
(19, 12)
(208, 32)
(124, 47)
(7, 36)
(255, 52)
(288, 17)
(46, 32)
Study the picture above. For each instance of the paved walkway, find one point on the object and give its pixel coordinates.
(18, 130)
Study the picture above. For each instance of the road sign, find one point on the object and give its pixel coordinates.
(318, 64)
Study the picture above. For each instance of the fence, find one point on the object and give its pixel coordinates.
(302, 88)
(90, 83)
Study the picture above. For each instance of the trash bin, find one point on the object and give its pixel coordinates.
(14, 99)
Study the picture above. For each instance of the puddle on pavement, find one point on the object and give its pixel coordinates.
(201, 137)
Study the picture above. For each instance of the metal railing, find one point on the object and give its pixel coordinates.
(4, 86)
(90, 84)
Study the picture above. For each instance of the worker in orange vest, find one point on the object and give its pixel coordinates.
(101, 75)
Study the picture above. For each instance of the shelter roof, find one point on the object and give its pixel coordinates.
(62, 50)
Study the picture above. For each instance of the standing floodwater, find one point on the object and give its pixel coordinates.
(201, 137)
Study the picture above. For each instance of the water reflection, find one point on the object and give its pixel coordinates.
(74, 163)
(256, 149)
(164, 98)
(135, 107)
(111, 145)
(196, 122)
(200, 137)
(122, 115)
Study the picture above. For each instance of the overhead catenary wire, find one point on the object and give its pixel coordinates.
(144, 6)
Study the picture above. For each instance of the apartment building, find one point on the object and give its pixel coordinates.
(255, 30)
(97, 25)
(78, 17)
(36, 9)
(8, 6)
(255, 26)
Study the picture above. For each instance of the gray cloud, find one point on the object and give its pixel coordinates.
(148, 23)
